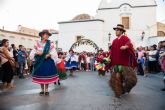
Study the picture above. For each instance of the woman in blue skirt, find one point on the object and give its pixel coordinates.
(71, 62)
(45, 71)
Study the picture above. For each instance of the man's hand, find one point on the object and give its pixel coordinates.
(124, 47)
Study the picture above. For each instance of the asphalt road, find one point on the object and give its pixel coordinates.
(84, 91)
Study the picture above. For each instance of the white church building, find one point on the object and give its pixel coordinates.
(138, 17)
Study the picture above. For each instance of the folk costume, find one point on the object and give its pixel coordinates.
(107, 61)
(45, 71)
(61, 69)
(82, 62)
(123, 78)
(71, 62)
(100, 65)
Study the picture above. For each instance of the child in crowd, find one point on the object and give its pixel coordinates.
(61, 68)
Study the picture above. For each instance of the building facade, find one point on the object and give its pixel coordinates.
(25, 30)
(138, 17)
(18, 38)
(26, 36)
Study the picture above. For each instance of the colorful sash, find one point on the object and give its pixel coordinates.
(39, 60)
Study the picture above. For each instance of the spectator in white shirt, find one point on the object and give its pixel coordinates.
(152, 59)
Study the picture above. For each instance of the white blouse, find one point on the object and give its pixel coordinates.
(152, 55)
(40, 47)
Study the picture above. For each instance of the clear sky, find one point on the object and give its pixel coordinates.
(44, 14)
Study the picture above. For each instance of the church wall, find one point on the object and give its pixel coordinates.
(155, 40)
(92, 30)
(141, 19)
(117, 3)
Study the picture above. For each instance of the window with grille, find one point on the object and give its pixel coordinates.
(125, 22)
(161, 33)
(78, 38)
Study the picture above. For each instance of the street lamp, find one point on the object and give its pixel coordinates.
(109, 37)
(56, 43)
(143, 34)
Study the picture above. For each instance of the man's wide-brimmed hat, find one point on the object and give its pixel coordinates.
(101, 49)
(120, 27)
(45, 31)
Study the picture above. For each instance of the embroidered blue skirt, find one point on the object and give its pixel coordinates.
(46, 74)
(71, 65)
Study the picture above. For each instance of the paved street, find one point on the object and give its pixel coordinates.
(84, 91)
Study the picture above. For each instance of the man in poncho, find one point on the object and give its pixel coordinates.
(123, 78)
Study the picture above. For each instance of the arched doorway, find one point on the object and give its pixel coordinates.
(85, 42)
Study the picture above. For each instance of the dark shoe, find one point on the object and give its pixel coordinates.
(55, 83)
(41, 93)
(59, 83)
(46, 93)
(163, 89)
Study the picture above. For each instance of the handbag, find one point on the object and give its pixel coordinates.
(12, 62)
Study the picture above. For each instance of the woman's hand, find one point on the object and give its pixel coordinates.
(48, 56)
(39, 53)
(12, 59)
